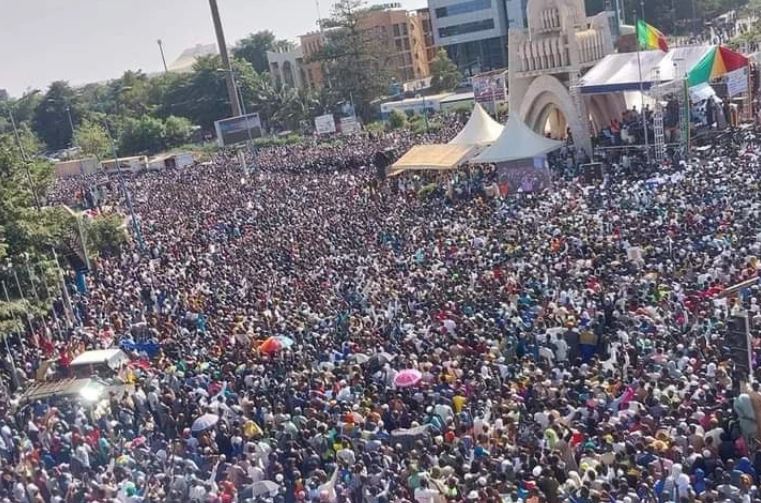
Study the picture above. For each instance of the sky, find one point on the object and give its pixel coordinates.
(83, 41)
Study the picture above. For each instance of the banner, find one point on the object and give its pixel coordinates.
(238, 129)
(737, 81)
(523, 175)
(490, 87)
(325, 124)
(350, 125)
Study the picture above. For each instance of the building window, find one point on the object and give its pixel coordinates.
(463, 8)
(404, 29)
(398, 44)
(396, 30)
(407, 44)
(462, 29)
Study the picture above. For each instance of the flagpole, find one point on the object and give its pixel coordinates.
(641, 84)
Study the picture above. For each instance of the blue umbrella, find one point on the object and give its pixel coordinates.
(287, 342)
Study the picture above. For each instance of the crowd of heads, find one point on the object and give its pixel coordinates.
(323, 336)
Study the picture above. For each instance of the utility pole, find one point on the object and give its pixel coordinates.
(163, 59)
(24, 159)
(71, 124)
(231, 91)
(123, 187)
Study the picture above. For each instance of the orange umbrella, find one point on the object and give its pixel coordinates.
(270, 345)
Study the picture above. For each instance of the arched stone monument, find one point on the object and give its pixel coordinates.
(547, 58)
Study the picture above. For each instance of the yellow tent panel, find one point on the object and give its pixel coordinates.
(432, 157)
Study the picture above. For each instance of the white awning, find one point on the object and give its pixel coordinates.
(621, 72)
(481, 129)
(517, 141)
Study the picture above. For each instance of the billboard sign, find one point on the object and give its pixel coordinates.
(325, 124)
(236, 129)
(490, 87)
(350, 125)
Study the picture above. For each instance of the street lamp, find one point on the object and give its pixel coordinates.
(24, 157)
(163, 59)
(123, 187)
(68, 115)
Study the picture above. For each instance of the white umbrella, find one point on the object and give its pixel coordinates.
(263, 487)
(359, 358)
(204, 423)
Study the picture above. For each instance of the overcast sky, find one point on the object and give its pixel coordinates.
(93, 40)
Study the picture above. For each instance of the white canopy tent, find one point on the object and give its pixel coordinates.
(481, 129)
(620, 72)
(517, 141)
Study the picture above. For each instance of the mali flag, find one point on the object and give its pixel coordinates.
(649, 37)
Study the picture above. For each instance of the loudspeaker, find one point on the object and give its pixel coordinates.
(737, 343)
(382, 160)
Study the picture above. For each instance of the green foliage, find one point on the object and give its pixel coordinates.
(27, 235)
(421, 124)
(444, 73)
(357, 60)
(51, 121)
(23, 110)
(253, 49)
(106, 234)
(143, 135)
(752, 36)
(92, 139)
(375, 127)
(397, 119)
(177, 130)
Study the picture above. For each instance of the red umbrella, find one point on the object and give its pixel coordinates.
(270, 345)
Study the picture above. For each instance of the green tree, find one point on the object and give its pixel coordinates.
(358, 60)
(142, 136)
(397, 119)
(178, 131)
(253, 49)
(283, 45)
(51, 121)
(130, 94)
(106, 234)
(92, 139)
(202, 95)
(23, 110)
(25, 232)
(444, 73)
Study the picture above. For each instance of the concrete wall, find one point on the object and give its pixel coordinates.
(66, 169)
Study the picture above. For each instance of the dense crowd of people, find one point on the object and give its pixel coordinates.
(324, 336)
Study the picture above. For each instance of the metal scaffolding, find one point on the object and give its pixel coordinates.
(660, 138)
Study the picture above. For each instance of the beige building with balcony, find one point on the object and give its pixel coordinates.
(402, 32)
(406, 35)
(311, 44)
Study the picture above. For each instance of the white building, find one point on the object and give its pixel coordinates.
(287, 67)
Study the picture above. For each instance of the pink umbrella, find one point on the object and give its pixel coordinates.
(407, 378)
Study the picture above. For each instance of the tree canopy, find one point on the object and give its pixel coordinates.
(356, 59)
(51, 121)
(444, 73)
(253, 48)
